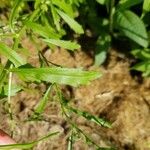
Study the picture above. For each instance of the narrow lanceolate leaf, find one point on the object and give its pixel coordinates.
(58, 75)
(66, 7)
(11, 55)
(90, 117)
(26, 145)
(64, 44)
(132, 26)
(55, 16)
(71, 22)
(42, 30)
(42, 104)
(14, 12)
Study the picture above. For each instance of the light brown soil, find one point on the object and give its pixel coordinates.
(115, 96)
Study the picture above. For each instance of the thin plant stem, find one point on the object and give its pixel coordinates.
(70, 141)
(9, 93)
(111, 11)
(9, 100)
(73, 125)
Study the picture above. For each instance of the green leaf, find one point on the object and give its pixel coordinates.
(42, 104)
(26, 145)
(102, 46)
(3, 72)
(146, 5)
(77, 2)
(55, 16)
(71, 22)
(14, 90)
(11, 55)
(44, 31)
(131, 26)
(126, 4)
(90, 117)
(59, 75)
(143, 54)
(37, 4)
(143, 67)
(102, 2)
(14, 12)
(66, 7)
(64, 44)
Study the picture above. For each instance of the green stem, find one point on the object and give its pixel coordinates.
(9, 93)
(64, 107)
(111, 11)
(9, 101)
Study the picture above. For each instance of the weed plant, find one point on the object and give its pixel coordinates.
(47, 22)
(42, 21)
